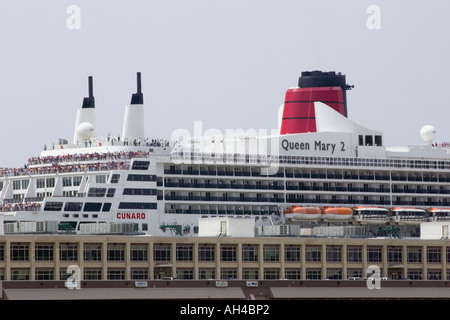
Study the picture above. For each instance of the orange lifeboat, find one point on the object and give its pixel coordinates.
(408, 215)
(296, 213)
(337, 214)
(371, 214)
(439, 214)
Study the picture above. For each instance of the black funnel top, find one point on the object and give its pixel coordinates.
(89, 102)
(138, 97)
(314, 79)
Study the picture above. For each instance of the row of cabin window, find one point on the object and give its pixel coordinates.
(76, 181)
(95, 206)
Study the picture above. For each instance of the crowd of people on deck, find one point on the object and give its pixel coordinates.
(26, 206)
(88, 157)
(75, 163)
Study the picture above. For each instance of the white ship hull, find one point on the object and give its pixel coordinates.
(163, 187)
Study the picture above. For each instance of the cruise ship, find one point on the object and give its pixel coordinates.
(318, 168)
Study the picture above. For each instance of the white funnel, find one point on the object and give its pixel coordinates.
(85, 121)
(133, 125)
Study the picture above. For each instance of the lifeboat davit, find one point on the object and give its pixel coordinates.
(297, 213)
(337, 214)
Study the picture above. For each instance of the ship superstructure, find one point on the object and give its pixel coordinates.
(319, 167)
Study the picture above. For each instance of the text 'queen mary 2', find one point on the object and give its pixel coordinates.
(319, 168)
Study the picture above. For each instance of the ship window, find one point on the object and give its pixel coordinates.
(97, 192)
(67, 181)
(369, 140)
(40, 183)
(360, 141)
(73, 206)
(92, 206)
(115, 178)
(77, 180)
(50, 182)
(106, 207)
(111, 192)
(378, 141)
(140, 165)
(16, 184)
(141, 177)
(137, 205)
(100, 178)
(53, 206)
(139, 191)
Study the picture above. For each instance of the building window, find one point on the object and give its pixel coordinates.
(333, 254)
(415, 274)
(313, 254)
(434, 275)
(271, 253)
(204, 274)
(92, 274)
(249, 253)
(313, 274)
(20, 274)
(206, 252)
(227, 253)
(184, 253)
(292, 253)
(68, 252)
(334, 274)
(354, 254)
(228, 274)
(44, 252)
(92, 252)
(271, 274)
(139, 274)
(161, 252)
(414, 254)
(394, 254)
(292, 274)
(20, 252)
(354, 273)
(374, 254)
(116, 274)
(44, 274)
(185, 274)
(434, 255)
(116, 252)
(249, 274)
(139, 252)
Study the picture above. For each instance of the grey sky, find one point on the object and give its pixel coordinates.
(227, 63)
